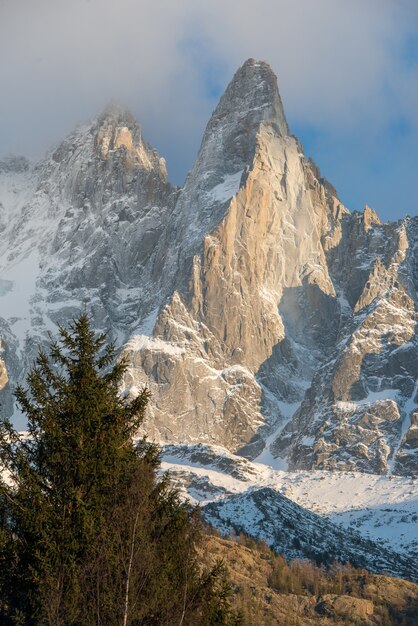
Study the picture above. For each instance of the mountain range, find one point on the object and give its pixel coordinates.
(261, 313)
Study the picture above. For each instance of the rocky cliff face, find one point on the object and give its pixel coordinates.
(79, 229)
(360, 411)
(243, 329)
(247, 297)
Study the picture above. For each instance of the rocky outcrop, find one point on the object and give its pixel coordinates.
(3, 371)
(358, 411)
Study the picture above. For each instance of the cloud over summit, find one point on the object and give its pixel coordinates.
(348, 76)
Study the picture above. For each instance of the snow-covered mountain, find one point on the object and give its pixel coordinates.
(263, 316)
(79, 229)
(366, 519)
(299, 534)
(383, 509)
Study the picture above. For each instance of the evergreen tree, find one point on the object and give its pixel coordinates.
(88, 534)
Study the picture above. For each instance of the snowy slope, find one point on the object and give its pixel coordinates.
(381, 508)
(298, 533)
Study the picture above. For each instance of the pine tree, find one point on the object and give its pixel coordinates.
(88, 534)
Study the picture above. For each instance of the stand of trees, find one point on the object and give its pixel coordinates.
(88, 534)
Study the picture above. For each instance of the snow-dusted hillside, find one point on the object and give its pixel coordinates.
(383, 509)
(298, 533)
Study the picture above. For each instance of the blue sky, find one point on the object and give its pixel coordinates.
(348, 76)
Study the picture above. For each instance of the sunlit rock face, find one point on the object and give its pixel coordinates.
(260, 313)
(253, 217)
(4, 379)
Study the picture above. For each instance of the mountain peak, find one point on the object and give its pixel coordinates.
(116, 128)
(253, 91)
(251, 99)
(118, 113)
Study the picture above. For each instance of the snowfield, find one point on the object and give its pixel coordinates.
(381, 508)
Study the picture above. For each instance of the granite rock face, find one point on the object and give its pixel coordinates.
(359, 411)
(261, 314)
(252, 218)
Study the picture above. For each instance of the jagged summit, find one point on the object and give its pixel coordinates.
(117, 128)
(253, 96)
(112, 140)
(250, 101)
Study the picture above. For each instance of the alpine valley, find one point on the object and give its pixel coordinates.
(276, 330)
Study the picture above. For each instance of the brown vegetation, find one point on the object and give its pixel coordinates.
(270, 591)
